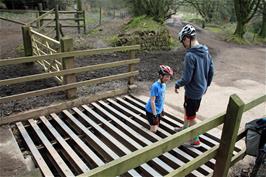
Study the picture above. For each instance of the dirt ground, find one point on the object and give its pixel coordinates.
(236, 67)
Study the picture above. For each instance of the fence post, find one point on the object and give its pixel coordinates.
(84, 20)
(79, 8)
(57, 27)
(232, 121)
(68, 62)
(132, 55)
(27, 40)
(40, 8)
(100, 19)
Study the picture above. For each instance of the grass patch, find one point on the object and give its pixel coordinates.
(143, 23)
(174, 43)
(112, 40)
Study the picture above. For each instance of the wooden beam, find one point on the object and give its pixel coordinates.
(59, 107)
(68, 63)
(229, 135)
(82, 166)
(59, 161)
(68, 71)
(34, 151)
(255, 102)
(195, 163)
(13, 21)
(68, 86)
(68, 54)
(27, 43)
(78, 141)
(46, 37)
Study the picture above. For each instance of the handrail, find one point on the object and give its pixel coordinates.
(68, 86)
(77, 53)
(254, 103)
(68, 71)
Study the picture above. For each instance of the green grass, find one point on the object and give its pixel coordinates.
(112, 40)
(143, 23)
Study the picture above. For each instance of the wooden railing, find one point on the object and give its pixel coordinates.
(223, 153)
(70, 84)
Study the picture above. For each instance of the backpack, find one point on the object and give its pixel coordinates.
(256, 136)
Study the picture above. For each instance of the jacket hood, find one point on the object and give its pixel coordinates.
(199, 49)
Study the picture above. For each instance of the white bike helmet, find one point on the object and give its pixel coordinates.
(187, 30)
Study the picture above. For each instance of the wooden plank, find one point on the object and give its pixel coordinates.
(41, 44)
(194, 150)
(122, 134)
(96, 139)
(68, 86)
(77, 53)
(119, 145)
(255, 102)
(58, 107)
(65, 145)
(60, 162)
(136, 134)
(27, 43)
(45, 37)
(36, 154)
(232, 121)
(68, 63)
(195, 163)
(79, 142)
(13, 21)
(68, 71)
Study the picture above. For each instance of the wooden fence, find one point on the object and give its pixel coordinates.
(52, 19)
(223, 153)
(70, 84)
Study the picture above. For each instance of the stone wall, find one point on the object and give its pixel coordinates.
(149, 40)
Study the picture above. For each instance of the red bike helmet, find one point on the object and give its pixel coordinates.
(166, 70)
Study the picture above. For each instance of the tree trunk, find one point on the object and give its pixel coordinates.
(263, 26)
(240, 29)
